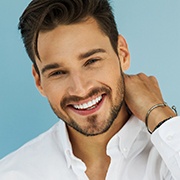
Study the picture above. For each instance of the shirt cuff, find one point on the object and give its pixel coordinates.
(166, 138)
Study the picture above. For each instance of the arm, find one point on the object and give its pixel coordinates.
(142, 93)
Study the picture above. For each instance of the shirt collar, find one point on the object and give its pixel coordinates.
(65, 142)
(133, 130)
(72, 161)
(133, 137)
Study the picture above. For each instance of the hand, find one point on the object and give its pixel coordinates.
(141, 93)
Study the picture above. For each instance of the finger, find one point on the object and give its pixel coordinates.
(153, 79)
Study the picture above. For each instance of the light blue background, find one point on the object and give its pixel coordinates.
(152, 30)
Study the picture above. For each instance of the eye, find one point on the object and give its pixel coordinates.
(57, 73)
(91, 61)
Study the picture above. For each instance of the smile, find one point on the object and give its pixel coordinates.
(89, 105)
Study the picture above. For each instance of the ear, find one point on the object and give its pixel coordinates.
(123, 52)
(37, 80)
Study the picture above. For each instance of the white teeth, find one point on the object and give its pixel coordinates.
(88, 104)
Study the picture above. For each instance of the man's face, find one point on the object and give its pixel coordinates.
(81, 76)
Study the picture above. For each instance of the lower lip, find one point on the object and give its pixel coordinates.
(89, 111)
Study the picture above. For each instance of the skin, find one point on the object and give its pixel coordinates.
(70, 76)
(146, 93)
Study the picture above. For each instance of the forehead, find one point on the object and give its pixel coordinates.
(66, 40)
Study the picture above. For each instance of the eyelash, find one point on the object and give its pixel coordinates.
(91, 61)
(87, 63)
(57, 73)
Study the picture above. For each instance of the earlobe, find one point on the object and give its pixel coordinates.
(123, 52)
(37, 80)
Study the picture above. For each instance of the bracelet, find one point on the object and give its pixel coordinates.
(154, 107)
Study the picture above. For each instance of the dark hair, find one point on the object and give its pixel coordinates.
(45, 15)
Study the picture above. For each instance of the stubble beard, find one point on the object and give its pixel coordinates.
(93, 128)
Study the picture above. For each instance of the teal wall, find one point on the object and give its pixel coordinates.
(152, 30)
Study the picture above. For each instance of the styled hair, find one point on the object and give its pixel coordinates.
(46, 15)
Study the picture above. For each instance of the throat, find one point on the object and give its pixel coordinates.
(92, 151)
(98, 169)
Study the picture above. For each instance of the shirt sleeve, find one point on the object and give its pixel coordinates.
(166, 140)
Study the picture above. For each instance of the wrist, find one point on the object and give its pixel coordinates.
(157, 115)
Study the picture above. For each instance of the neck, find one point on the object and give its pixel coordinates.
(91, 148)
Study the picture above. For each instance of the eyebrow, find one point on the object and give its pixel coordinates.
(49, 67)
(81, 56)
(91, 52)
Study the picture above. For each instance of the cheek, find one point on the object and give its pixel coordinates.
(114, 80)
(53, 92)
(112, 73)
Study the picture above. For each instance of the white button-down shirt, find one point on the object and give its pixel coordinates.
(135, 155)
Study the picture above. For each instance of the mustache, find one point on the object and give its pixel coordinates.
(73, 99)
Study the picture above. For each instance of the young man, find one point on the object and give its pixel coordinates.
(79, 62)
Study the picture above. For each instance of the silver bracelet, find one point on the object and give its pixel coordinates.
(164, 104)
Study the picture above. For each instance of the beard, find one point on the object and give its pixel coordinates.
(93, 127)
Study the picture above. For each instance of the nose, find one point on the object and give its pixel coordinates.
(79, 85)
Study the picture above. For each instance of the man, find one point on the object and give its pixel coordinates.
(79, 62)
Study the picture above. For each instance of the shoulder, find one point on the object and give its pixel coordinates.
(36, 154)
